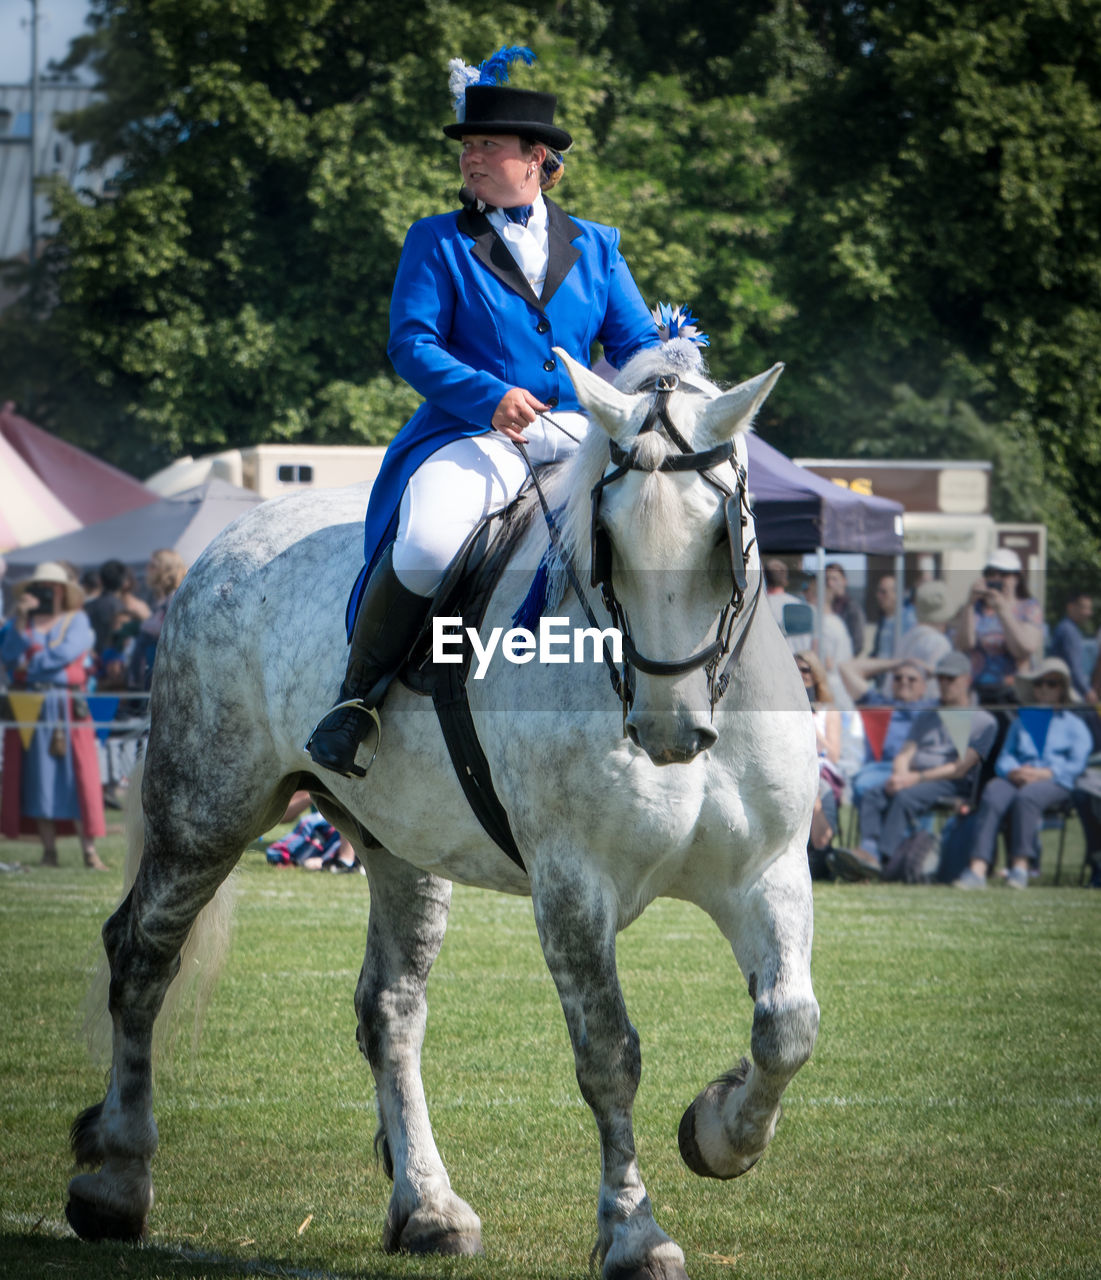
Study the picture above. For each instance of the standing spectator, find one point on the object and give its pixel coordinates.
(886, 599)
(53, 786)
(92, 586)
(115, 605)
(163, 575)
(1030, 779)
(1068, 642)
(834, 647)
(776, 577)
(927, 771)
(845, 606)
(1000, 627)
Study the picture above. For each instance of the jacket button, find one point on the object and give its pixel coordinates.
(543, 326)
(550, 364)
(552, 403)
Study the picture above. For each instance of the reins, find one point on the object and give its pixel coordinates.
(736, 516)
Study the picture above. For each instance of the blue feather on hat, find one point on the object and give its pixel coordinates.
(494, 70)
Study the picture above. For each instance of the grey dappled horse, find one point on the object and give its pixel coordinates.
(612, 804)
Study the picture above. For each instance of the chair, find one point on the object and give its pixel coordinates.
(1055, 819)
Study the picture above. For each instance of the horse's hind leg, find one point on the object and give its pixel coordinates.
(143, 940)
(727, 1127)
(406, 928)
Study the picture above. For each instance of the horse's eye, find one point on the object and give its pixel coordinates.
(720, 536)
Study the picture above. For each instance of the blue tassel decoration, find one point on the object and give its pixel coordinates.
(532, 606)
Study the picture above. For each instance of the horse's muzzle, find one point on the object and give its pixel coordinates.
(665, 743)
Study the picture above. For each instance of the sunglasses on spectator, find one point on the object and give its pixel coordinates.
(942, 676)
(1048, 682)
(908, 680)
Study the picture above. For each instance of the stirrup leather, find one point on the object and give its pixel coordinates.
(352, 704)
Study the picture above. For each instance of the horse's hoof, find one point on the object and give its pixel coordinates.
(448, 1235)
(93, 1223)
(444, 1244)
(689, 1148)
(692, 1156)
(648, 1272)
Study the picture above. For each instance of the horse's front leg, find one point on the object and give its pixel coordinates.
(408, 918)
(769, 924)
(577, 921)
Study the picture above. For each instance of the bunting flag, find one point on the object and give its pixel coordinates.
(957, 725)
(26, 708)
(1036, 721)
(103, 711)
(876, 720)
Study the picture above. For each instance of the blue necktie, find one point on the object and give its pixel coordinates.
(519, 213)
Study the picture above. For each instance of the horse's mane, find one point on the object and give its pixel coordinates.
(572, 483)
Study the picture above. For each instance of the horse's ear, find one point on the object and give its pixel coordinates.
(606, 405)
(733, 411)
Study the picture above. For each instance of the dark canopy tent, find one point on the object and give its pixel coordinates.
(796, 510)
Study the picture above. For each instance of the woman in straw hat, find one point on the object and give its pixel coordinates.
(53, 786)
(481, 299)
(1035, 771)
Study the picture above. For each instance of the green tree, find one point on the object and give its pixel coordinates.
(944, 237)
(235, 285)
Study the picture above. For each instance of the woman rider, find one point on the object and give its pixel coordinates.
(480, 299)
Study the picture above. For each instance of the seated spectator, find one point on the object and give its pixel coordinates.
(909, 696)
(1000, 627)
(1087, 801)
(314, 844)
(1029, 778)
(845, 606)
(927, 771)
(1068, 642)
(925, 641)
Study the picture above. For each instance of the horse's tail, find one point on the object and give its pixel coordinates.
(201, 957)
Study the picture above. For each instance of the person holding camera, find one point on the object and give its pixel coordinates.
(1000, 628)
(53, 786)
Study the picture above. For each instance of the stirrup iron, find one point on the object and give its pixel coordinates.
(351, 704)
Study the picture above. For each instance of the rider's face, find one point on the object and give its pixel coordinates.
(496, 169)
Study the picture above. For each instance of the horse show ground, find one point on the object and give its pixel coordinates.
(947, 1126)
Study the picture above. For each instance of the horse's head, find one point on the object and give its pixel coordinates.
(670, 535)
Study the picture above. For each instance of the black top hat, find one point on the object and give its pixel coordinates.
(494, 108)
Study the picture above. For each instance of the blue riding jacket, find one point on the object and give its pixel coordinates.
(465, 327)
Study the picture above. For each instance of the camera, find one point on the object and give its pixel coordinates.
(45, 597)
(993, 584)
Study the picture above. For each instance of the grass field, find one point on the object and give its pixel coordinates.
(946, 1126)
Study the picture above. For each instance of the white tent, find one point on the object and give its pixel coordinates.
(29, 511)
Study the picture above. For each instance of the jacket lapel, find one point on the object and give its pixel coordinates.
(561, 232)
(492, 252)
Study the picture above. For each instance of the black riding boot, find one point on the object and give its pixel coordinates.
(387, 624)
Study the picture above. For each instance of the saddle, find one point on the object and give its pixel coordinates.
(465, 592)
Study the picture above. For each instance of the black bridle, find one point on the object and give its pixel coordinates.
(736, 516)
